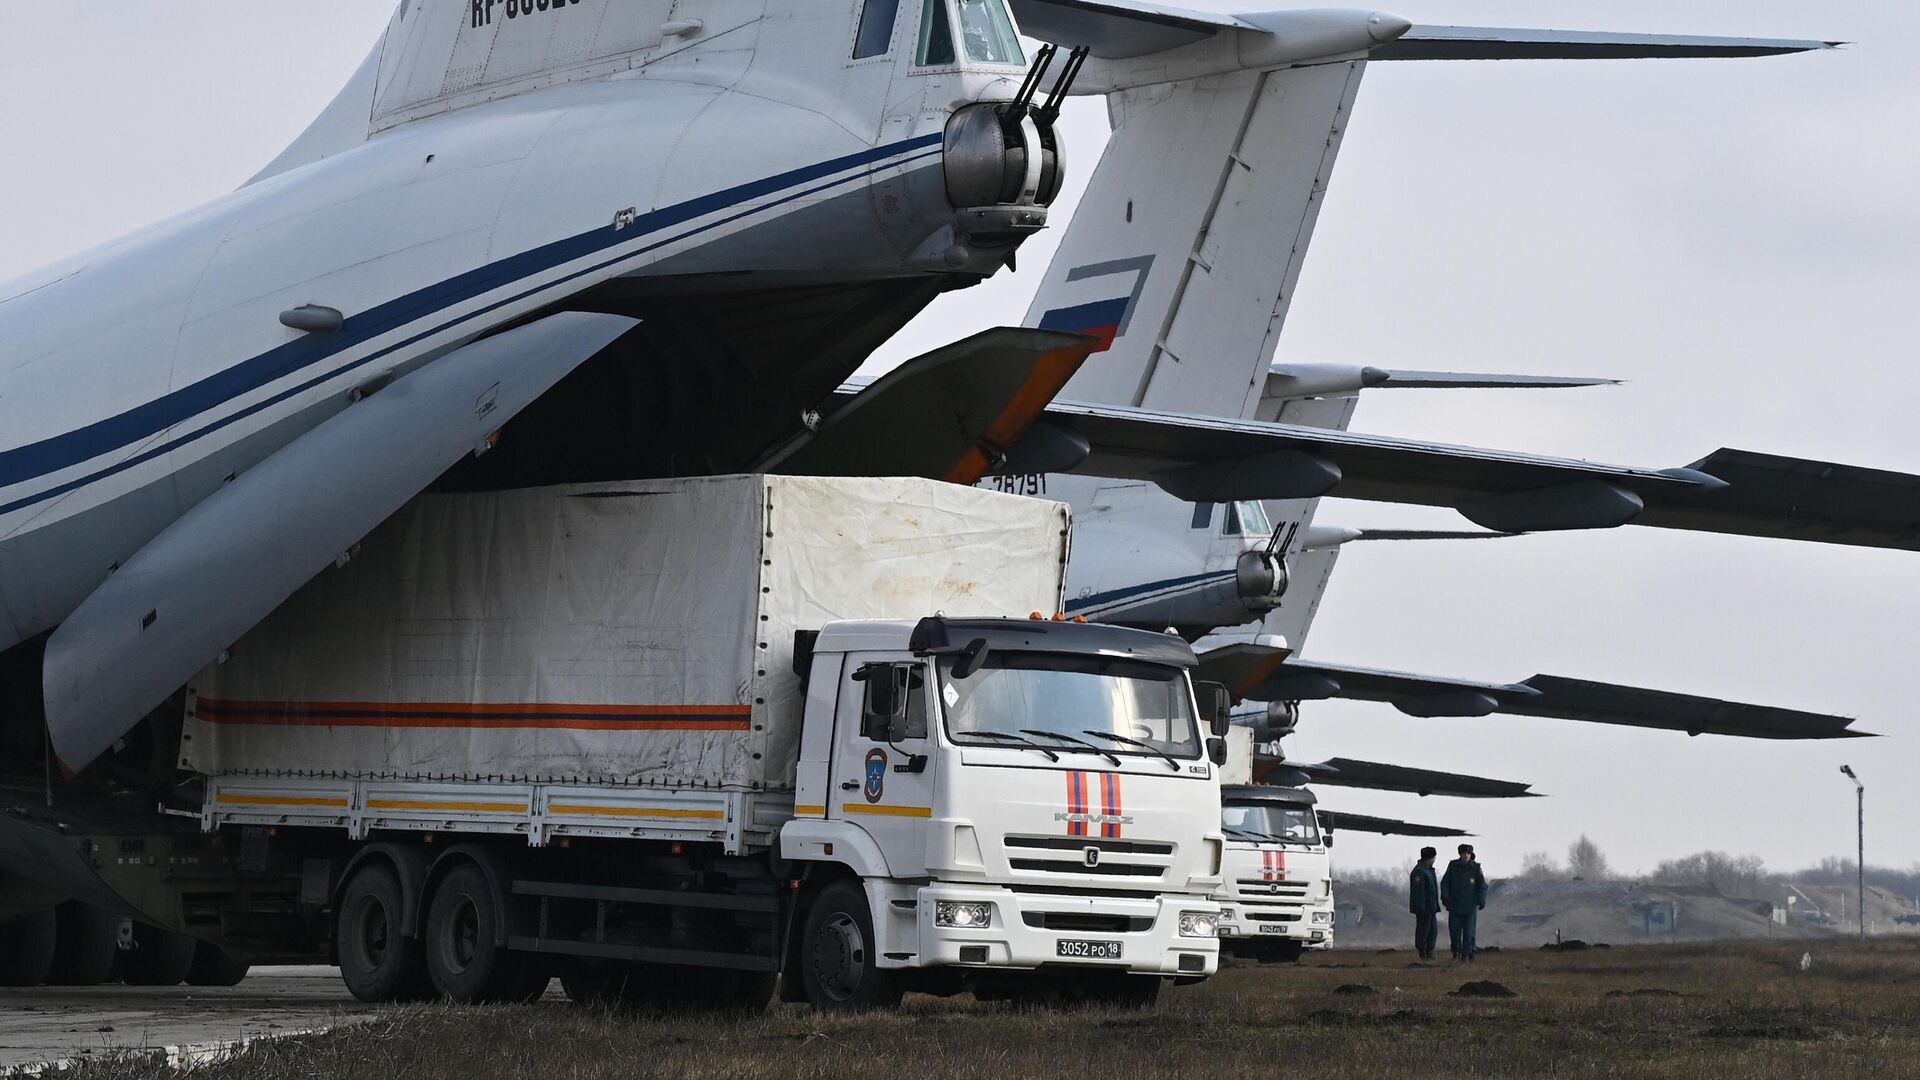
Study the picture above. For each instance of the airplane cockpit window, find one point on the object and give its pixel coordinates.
(1247, 518)
(876, 28)
(988, 33)
(1202, 515)
(936, 35)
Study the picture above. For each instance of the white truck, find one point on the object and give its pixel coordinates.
(672, 739)
(1277, 894)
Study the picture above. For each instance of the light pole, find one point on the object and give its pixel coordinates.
(1860, 860)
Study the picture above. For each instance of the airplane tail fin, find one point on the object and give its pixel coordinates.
(1193, 227)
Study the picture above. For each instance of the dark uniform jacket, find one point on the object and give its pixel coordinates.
(1464, 888)
(1423, 891)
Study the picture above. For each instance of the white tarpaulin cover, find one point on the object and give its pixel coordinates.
(633, 633)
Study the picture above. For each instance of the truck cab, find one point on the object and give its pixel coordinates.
(1277, 896)
(1017, 805)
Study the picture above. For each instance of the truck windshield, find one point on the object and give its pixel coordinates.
(1074, 696)
(1271, 823)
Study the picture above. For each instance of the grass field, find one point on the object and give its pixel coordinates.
(1745, 1010)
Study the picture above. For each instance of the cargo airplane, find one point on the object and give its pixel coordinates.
(650, 238)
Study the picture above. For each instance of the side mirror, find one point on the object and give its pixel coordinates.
(1217, 703)
(1217, 751)
(885, 710)
(970, 658)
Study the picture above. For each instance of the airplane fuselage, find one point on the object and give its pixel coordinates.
(137, 378)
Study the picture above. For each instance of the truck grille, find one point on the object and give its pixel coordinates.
(1258, 887)
(1087, 923)
(1089, 855)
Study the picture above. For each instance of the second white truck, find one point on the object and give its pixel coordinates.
(1277, 893)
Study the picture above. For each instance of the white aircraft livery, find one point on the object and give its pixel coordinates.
(651, 237)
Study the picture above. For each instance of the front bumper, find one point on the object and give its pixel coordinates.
(1308, 924)
(1026, 931)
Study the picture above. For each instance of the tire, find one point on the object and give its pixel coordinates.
(1119, 990)
(26, 949)
(839, 956)
(378, 961)
(464, 959)
(86, 940)
(215, 966)
(158, 957)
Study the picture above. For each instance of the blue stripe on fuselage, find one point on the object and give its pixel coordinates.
(1138, 591)
(83, 444)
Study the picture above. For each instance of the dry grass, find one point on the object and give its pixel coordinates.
(1729, 1010)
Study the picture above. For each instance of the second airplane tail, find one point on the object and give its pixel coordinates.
(1196, 220)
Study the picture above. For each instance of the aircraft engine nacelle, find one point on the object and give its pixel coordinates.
(1003, 170)
(1278, 722)
(1261, 579)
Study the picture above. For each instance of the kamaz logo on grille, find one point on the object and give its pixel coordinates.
(1092, 855)
(1095, 819)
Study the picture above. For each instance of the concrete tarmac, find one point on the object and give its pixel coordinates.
(42, 1024)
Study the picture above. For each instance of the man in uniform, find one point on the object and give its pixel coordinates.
(1423, 899)
(1463, 892)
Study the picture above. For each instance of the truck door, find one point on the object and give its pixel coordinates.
(883, 757)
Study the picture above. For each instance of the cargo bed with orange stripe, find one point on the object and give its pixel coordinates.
(543, 813)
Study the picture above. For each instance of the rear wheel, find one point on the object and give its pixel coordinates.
(839, 956)
(26, 949)
(86, 940)
(378, 961)
(215, 966)
(464, 957)
(158, 957)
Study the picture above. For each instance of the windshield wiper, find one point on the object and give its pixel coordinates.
(1072, 739)
(1243, 834)
(1171, 764)
(1028, 743)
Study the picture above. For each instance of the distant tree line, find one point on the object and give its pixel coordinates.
(1731, 875)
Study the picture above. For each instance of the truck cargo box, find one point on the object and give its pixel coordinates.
(636, 633)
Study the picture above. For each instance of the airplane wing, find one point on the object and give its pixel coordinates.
(1208, 459)
(950, 414)
(1397, 378)
(228, 562)
(1376, 776)
(1544, 696)
(1333, 821)
(1294, 379)
(1117, 29)
(1501, 43)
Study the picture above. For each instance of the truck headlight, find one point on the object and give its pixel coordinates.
(1199, 924)
(1322, 918)
(1226, 914)
(968, 914)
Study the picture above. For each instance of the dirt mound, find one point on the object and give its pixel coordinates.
(1354, 989)
(1644, 992)
(1486, 988)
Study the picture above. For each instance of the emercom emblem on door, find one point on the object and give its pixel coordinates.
(876, 771)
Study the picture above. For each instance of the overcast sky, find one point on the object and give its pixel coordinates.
(1738, 239)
